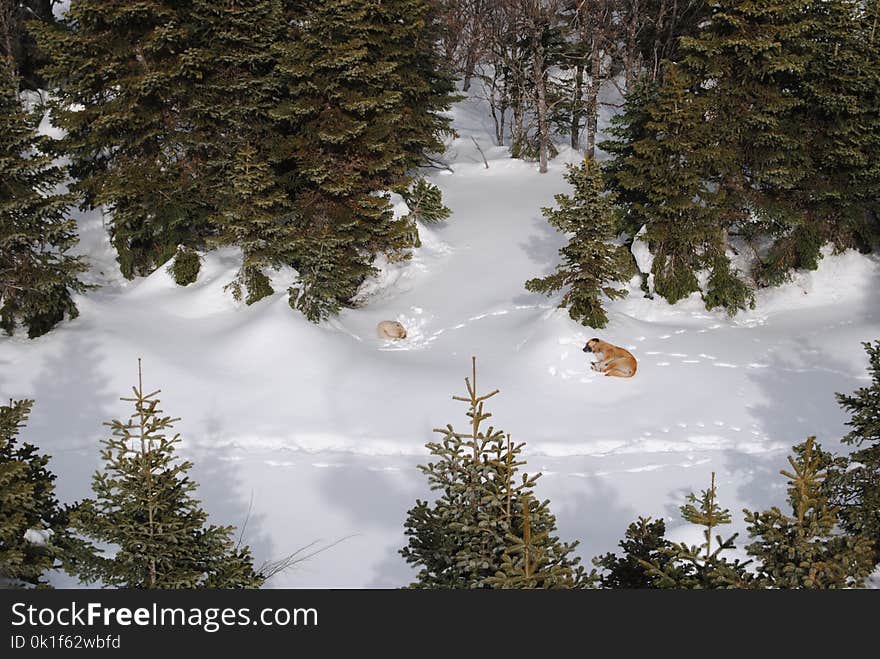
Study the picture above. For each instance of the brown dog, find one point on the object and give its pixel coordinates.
(611, 360)
(390, 329)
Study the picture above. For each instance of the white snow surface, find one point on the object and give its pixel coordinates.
(303, 432)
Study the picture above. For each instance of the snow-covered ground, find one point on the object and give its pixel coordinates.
(314, 433)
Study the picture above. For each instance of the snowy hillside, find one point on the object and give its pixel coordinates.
(317, 430)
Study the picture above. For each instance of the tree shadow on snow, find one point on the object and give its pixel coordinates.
(72, 402)
(799, 401)
(227, 499)
(378, 500)
(595, 516)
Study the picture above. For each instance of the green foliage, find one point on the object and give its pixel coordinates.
(686, 566)
(592, 266)
(119, 99)
(28, 506)
(425, 202)
(185, 266)
(725, 289)
(855, 485)
(645, 545)
(144, 508)
(38, 276)
(804, 550)
(527, 563)
(362, 93)
(766, 128)
(799, 249)
(231, 66)
(477, 533)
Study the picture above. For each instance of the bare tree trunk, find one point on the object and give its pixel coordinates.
(593, 99)
(470, 64)
(576, 105)
(632, 57)
(658, 40)
(539, 78)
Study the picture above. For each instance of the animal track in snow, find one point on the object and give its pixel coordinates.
(725, 365)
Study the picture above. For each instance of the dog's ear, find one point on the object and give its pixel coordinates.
(593, 339)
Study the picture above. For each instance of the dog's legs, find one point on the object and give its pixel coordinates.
(601, 366)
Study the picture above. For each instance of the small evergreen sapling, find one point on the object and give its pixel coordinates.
(686, 566)
(805, 550)
(474, 534)
(645, 544)
(591, 264)
(425, 202)
(185, 266)
(144, 508)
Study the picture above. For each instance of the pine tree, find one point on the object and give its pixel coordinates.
(645, 544)
(592, 264)
(38, 276)
(474, 534)
(144, 507)
(425, 202)
(33, 525)
(526, 563)
(664, 173)
(362, 89)
(855, 486)
(835, 200)
(120, 93)
(686, 566)
(230, 66)
(805, 550)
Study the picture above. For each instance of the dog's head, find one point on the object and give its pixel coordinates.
(591, 345)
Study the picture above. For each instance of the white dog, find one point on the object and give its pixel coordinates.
(390, 329)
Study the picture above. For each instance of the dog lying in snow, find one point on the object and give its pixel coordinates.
(611, 360)
(390, 329)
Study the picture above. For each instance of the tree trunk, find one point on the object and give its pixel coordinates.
(593, 100)
(631, 58)
(470, 64)
(576, 105)
(540, 82)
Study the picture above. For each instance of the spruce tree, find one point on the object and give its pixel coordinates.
(592, 265)
(686, 566)
(33, 525)
(645, 544)
(526, 563)
(230, 66)
(120, 93)
(474, 534)
(362, 90)
(855, 487)
(144, 508)
(38, 276)
(664, 173)
(804, 550)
